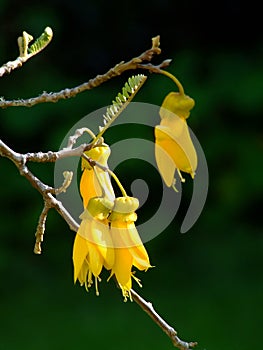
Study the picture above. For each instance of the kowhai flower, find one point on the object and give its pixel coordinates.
(93, 247)
(174, 149)
(95, 182)
(107, 237)
(128, 247)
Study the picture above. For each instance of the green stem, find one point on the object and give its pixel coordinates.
(174, 79)
(118, 183)
(91, 133)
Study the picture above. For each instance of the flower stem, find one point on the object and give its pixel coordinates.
(105, 168)
(174, 79)
(118, 183)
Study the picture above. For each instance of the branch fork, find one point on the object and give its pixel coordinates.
(48, 193)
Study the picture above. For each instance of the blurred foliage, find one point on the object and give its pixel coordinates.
(208, 282)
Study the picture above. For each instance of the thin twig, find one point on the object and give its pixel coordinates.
(134, 63)
(68, 175)
(78, 133)
(51, 202)
(46, 191)
(44, 157)
(41, 227)
(155, 68)
(170, 331)
(51, 157)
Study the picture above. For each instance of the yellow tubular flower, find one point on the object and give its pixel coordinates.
(93, 247)
(128, 247)
(93, 178)
(174, 149)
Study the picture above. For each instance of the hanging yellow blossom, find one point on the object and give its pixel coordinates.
(117, 247)
(93, 178)
(174, 149)
(93, 247)
(128, 247)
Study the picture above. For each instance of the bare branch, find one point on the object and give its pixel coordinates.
(78, 133)
(134, 63)
(46, 191)
(68, 175)
(155, 68)
(51, 202)
(170, 331)
(51, 157)
(57, 205)
(41, 229)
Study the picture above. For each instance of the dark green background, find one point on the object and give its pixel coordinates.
(207, 283)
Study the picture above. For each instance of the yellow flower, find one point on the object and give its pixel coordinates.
(174, 149)
(93, 247)
(128, 247)
(95, 182)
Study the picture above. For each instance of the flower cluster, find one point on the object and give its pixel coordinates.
(107, 236)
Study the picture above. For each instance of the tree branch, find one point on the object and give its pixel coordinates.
(170, 331)
(47, 192)
(51, 202)
(41, 228)
(134, 63)
(20, 161)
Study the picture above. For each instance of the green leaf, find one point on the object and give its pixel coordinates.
(41, 42)
(121, 102)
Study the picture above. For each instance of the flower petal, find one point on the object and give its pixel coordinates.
(100, 235)
(89, 186)
(95, 182)
(180, 149)
(130, 239)
(80, 252)
(164, 161)
(95, 259)
(103, 179)
(122, 267)
(140, 257)
(84, 274)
